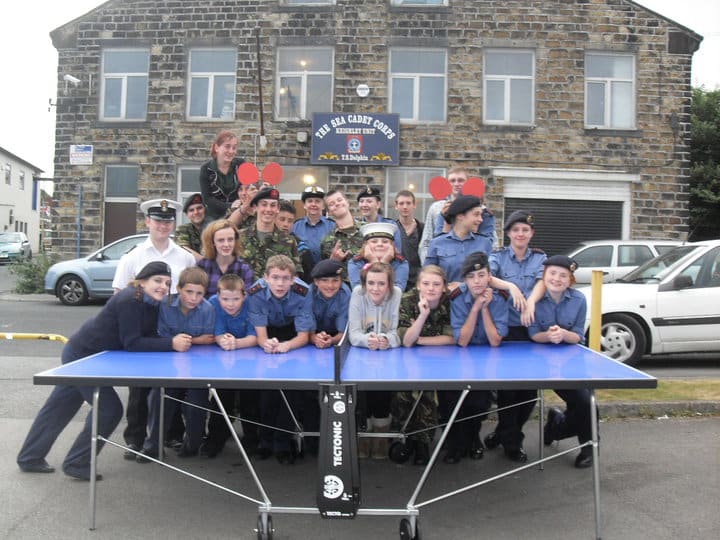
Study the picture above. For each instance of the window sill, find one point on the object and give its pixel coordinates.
(603, 132)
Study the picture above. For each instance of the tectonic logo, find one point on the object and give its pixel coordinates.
(333, 487)
(337, 442)
(339, 407)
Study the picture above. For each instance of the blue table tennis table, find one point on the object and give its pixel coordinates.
(338, 374)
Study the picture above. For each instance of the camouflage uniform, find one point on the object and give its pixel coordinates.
(425, 415)
(257, 252)
(350, 240)
(188, 235)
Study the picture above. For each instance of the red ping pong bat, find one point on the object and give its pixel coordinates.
(272, 173)
(474, 186)
(247, 173)
(440, 188)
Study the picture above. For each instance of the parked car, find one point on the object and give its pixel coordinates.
(14, 246)
(670, 304)
(615, 257)
(77, 280)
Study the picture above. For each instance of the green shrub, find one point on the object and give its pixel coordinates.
(31, 274)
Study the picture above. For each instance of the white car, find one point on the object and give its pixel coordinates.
(670, 304)
(615, 257)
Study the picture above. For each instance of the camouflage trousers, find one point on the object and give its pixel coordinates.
(424, 418)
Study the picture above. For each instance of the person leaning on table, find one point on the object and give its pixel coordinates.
(127, 322)
(560, 318)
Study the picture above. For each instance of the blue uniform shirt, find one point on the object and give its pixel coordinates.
(331, 314)
(460, 306)
(449, 252)
(295, 307)
(238, 325)
(197, 322)
(399, 264)
(505, 265)
(569, 313)
(312, 235)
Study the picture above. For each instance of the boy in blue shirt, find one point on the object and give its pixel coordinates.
(330, 302)
(233, 330)
(478, 316)
(187, 314)
(280, 308)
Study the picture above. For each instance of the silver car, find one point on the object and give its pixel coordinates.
(14, 246)
(77, 280)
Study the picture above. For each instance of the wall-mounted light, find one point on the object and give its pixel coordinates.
(301, 137)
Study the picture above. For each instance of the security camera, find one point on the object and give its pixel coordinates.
(72, 80)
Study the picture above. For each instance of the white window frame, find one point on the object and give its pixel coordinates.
(123, 94)
(21, 180)
(194, 172)
(416, 78)
(303, 75)
(608, 93)
(8, 173)
(507, 81)
(211, 76)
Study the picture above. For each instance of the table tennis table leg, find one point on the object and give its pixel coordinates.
(93, 455)
(161, 424)
(596, 458)
(235, 437)
(541, 430)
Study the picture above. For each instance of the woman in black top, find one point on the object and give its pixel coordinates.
(127, 322)
(219, 183)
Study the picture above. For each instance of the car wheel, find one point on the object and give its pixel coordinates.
(71, 291)
(622, 338)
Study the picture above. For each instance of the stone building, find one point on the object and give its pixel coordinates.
(578, 110)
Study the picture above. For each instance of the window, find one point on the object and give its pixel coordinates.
(124, 84)
(633, 255)
(297, 178)
(416, 180)
(419, 2)
(304, 85)
(8, 173)
(594, 256)
(189, 183)
(509, 87)
(21, 180)
(212, 84)
(418, 84)
(121, 182)
(609, 91)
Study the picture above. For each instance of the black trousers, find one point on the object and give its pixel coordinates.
(137, 419)
(462, 434)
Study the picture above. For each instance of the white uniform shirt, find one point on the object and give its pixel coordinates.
(134, 261)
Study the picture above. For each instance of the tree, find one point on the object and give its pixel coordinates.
(705, 165)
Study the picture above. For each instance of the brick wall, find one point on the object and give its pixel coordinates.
(559, 31)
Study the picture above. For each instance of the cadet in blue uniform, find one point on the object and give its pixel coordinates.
(330, 300)
(369, 203)
(522, 265)
(450, 249)
(378, 246)
(280, 309)
(127, 322)
(314, 226)
(560, 318)
(478, 316)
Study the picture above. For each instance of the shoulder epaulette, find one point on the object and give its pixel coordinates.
(399, 257)
(455, 293)
(503, 293)
(498, 249)
(255, 288)
(537, 250)
(358, 258)
(488, 211)
(300, 289)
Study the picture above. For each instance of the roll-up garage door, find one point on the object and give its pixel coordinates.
(560, 224)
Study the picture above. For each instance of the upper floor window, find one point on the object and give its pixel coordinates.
(304, 85)
(8, 173)
(419, 2)
(124, 84)
(418, 80)
(212, 84)
(509, 87)
(21, 179)
(610, 91)
(121, 182)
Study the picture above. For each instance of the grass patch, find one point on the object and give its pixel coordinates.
(667, 390)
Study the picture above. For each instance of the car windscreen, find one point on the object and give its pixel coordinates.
(9, 238)
(656, 269)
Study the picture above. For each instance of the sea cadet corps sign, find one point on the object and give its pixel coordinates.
(355, 139)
